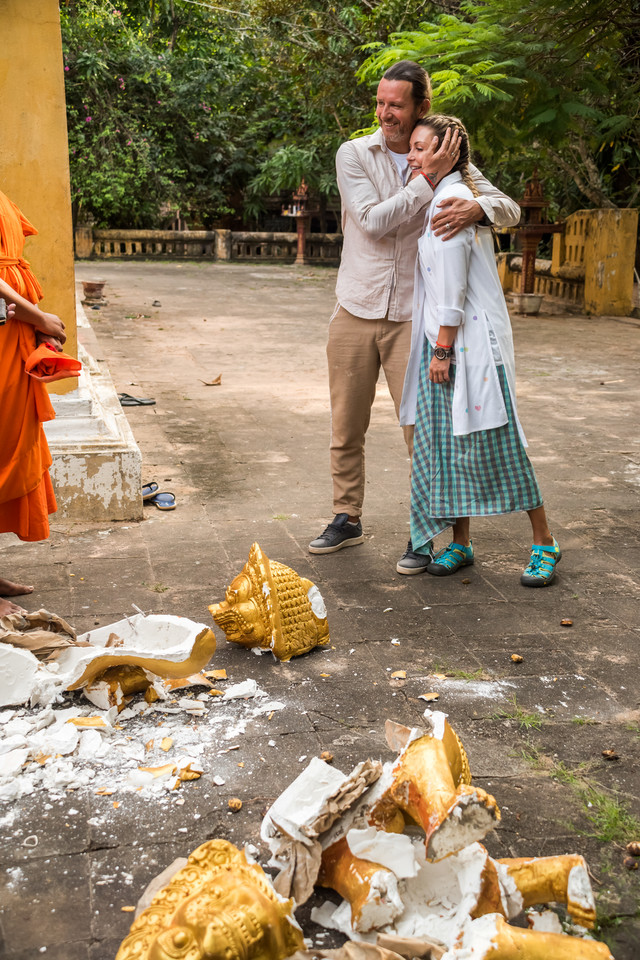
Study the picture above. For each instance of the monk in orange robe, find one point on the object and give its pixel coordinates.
(26, 492)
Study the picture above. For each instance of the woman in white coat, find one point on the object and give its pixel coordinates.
(469, 450)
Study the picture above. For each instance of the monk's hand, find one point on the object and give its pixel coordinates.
(453, 215)
(439, 370)
(43, 338)
(11, 311)
(439, 158)
(52, 326)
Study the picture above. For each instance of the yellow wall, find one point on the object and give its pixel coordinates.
(34, 159)
(608, 262)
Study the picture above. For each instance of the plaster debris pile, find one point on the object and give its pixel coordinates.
(107, 664)
(53, 746)
(401, 843)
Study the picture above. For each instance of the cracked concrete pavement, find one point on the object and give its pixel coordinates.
(248, 460)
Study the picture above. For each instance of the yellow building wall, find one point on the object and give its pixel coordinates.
(34, 157)
(609, 256)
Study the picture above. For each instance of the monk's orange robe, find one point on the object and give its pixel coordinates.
(26, 492)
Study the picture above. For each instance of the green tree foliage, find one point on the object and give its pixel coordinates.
(552, 83)
(151, 102)
(209, 106)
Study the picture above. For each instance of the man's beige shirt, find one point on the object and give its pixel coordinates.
(382, 221)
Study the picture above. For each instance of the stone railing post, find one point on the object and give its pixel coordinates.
(83, 240)
(223, 244)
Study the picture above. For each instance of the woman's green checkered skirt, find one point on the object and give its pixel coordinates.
(478, 475)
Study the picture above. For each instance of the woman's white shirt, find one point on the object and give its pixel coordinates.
(457, 285)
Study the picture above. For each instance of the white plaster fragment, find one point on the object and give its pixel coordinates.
(317, 603)
(392, 850)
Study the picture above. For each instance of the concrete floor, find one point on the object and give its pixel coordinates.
(248, 460)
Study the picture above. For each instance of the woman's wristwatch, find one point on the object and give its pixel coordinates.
(442, 353)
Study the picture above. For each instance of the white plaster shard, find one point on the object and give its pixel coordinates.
(317, 603)
(392, 850)
(241, 691)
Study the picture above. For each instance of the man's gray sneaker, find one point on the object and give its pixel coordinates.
(339, 533)
(411, 563)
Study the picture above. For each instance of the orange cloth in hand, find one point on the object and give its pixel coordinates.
(47, 365)
(26, 493)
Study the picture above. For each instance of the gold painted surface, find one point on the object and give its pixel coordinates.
(546, 880)
(218, 907)
(267, 606)
(431, 785)
(120, 666)
(349, 875)
(34, 160)
(515, 943)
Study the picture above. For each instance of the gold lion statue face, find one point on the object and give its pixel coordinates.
(218, 907)
(240, 615)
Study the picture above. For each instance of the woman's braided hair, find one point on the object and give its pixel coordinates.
(439, 123)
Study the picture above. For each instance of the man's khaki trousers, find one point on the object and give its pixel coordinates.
(356, 350)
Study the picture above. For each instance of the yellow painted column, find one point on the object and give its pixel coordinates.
(609, 256)
(34, 159)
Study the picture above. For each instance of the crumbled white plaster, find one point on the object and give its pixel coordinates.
(317, 603)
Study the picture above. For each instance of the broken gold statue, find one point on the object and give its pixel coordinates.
(492, 938)
(432, 785)
(218, 907)
(270, 607)
(561, 879)
(370, 888)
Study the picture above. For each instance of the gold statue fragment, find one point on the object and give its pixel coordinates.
(269, 606)
(492, 938)
(560, 879)
(218, 907)
(432, 785)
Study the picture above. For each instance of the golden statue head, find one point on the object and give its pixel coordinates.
(218, 907)
(269, 606)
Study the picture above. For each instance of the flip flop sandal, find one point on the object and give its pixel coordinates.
(163, 501)
(126, 400)
(149, 490)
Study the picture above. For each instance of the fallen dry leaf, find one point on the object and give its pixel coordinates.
(215, 693)
(429, 697)
(566, 623)
(235, 804)
(241, 764)
(327, 756)
(466, 580)
(439, 676)
(516, 658)
(610, 755)
(127, 909)
(42, 758)
(166, 743)
(149, 744)
(325, 674)
(104, 792)
(116, 804)
(399, 675)
(213, 383)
